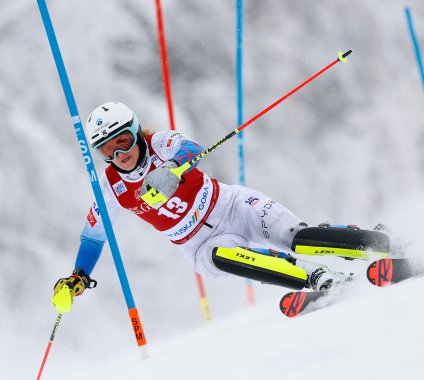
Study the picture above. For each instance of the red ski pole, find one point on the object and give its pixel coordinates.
(155, 198)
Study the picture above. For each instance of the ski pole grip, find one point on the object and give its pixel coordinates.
(342, 56)
(62, 301)
(181, 169)
(154, 198)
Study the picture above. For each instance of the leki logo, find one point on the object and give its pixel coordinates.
(325, 251)
(245, 257)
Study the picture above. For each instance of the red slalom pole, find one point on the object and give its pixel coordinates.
(49, 345)
(168, 94)
(203, 299)
(165, 66)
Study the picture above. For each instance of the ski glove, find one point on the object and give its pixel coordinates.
(67, 288)
(162, 180)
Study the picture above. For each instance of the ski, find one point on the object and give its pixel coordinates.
(294, 303)
(300, 302)
(385, 272)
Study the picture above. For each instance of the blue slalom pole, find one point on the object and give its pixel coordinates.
(82, 141)
(415, 44)
(239, 70)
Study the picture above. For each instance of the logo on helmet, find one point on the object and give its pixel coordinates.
(99, 121)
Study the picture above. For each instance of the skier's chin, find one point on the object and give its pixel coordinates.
(127, 163)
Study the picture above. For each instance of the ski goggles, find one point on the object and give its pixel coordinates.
(123, 143)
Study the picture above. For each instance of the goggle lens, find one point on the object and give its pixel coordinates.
(124, 142)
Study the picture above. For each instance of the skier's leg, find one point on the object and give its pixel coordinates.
(320, 277)
(344, 241)
(223, 254)
(261, 220)
(250, 218)
(278, 268)
(264, 222)
(268, 223)
(260, 265)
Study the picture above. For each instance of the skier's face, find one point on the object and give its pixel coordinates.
(127, 161)
(123, 143)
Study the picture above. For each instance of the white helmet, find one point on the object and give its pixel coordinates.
(109, 120)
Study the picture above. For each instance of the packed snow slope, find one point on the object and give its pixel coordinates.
(345, 149)
(369, 333)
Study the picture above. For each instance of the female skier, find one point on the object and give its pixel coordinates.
(212, 222)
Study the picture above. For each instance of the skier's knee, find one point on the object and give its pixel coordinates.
(257, 266)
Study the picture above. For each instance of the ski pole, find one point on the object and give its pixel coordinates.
(155, 198)
(49, 345)
(88, 160)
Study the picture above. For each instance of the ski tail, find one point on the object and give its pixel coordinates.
(386, 272)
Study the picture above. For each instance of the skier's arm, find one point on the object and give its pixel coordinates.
(171, 145)
(92, 241)
(93, 236)
(188, 150)
(89, 252)
(175, 149)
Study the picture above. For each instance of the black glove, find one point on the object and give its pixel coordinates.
(67, 288)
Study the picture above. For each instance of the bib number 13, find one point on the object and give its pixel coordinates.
(173, 207)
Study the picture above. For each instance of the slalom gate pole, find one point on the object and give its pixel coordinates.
(165, 66)
(82, 141)
(154, 197)
(415, 44)
(49, 345)
(168, 94)
(239, 84)
(204, 304)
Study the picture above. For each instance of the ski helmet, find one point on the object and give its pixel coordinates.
(108, 121)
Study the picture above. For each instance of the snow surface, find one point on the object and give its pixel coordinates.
(370, 333)
(345, 149)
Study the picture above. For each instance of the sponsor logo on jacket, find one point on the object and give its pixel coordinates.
(141, 209)
(119, 188)
(195, 217)
(264, 213)
(252, 201)
(93, 214)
